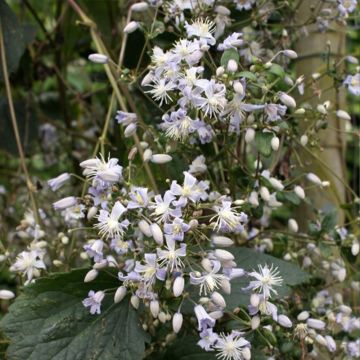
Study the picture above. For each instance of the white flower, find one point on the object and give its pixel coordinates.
(232, 347)
(227, 219)
(109, 225)
(131, 27)
(170, 257)
(177, 322)
(99, 169)
(160, 90)
(266, 279)
(209, 280)
(29, 263)
(203, 29)
(213, 100)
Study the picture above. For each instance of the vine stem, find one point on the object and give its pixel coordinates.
(29, 183)
(102, 49)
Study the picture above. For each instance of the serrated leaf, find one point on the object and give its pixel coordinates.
(249, 260)
(49, 322)
(230, 54)
(263, 143)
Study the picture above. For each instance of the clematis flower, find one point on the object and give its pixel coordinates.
(109, 225)
(170, 256)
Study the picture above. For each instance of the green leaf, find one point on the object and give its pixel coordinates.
(263, 142)
(186, 348)
(228, 55)
(13, 37)
(49, 322)
(329, 221)
(288, 197)
(247, 74)
(277, 70)
(249, 260)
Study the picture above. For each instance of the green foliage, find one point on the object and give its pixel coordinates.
(49, 321)
(263, 143)
(230, 54)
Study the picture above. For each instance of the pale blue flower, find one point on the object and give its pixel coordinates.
(93, 301)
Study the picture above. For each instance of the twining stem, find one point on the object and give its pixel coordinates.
(102, 49)
(29, 183)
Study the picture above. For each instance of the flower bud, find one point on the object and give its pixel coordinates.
(120, 294)
(321, 109)
(92, 212)
(238, 87)
(139, 7)
(145, 228)
(304, 315)
(275, 143)
(255, 322)
(232, 66)
(299, 191)
(225, 286)
(162, 317)
(316, 324)
(91, 275)
(255, 300)
(157, 233)
(342, 114)
(177, 322)
(290, 54)
(355, 248)
(265, 193)
(304, 140)
(246, 353)
(193, 223)
(249, 135)
(276, 184)
(160, 158)
(154, 308)
(300, 111)
(254, 199)
(222, 241)
(6, 294)
(220, 71)
(65, 203)
(284, 321)
(287, 100)
(222, 10)
(59, 181)
(98, 58)
(314, 179)
(330, 343)
(293, 226)
(147, 155)
(320, 340)
(130, 130)
(135, 302)
(223, 255)
(178, 286)
(131, 27)
(218, 299)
